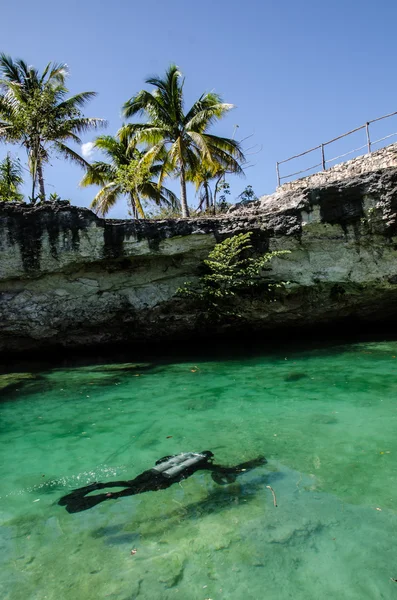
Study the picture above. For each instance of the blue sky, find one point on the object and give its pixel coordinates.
(299, 73)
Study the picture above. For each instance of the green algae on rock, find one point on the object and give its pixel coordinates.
(69, 279)
(13, 380)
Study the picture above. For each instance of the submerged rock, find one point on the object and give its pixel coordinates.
(11, 381)
(295, 376)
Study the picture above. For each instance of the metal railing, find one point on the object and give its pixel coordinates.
(369, 145)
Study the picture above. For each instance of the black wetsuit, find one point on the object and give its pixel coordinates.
(166, 472)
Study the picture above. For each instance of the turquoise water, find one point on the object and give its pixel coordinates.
(325, 419)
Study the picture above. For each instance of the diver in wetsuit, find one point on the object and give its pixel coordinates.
(166, 472)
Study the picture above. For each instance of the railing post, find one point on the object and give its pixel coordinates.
(278, 174)
(323, 157)
(368, 137)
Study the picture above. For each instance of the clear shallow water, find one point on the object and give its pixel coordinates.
(326, 420)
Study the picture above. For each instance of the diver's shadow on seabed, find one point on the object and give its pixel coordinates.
(218, 500)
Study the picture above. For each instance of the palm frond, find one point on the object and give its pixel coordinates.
(207, 101)
(145, 103)
(233, 147)
(207, 116)
(106, 198)
(192, 158)
(169, 93)
(71, 155)
(108, 144)
(149, 157)
(171, 76)
(84, 124)
(58, 73)
(160, 195)
(27, 72)
(9, 69)
(44, 74)
(98, 173)
(199, 141)
(77, 101)
(227, 162)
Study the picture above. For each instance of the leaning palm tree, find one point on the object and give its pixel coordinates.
(10, 179)
(125, 175)
(182, 137)
(36, 113)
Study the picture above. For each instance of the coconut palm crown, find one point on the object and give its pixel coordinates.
(125, 174)
(36, 113)
(181, 137)
(11, 179)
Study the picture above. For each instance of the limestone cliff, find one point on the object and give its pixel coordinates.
(70, 278)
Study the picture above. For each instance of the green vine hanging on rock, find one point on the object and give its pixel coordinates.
(233, 269)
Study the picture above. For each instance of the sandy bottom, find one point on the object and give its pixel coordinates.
(326, 421)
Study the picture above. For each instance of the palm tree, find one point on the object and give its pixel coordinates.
(10, 179)
(36, 113)
(126, 174)
(201, 179)
(203, 176)
(181, 137)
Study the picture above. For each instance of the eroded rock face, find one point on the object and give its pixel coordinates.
(69, 278)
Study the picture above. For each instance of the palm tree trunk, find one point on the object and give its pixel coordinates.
(33, 199)
(216, 187)
(136, 207)
(207, 196)
(41, 179)
(33, 170)
(132, 206)
(185, 209)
